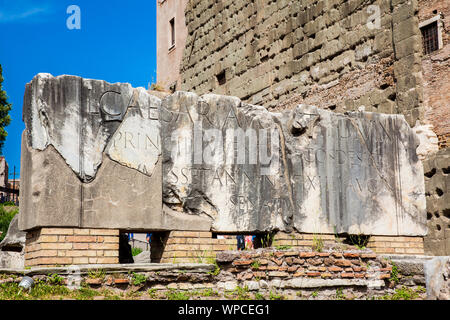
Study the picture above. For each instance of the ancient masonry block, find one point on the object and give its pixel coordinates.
(437, 184)
(70, 246)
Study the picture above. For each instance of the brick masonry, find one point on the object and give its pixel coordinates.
(68, 246)
(261, 274)
(185, 247)
(326, 53)
(291, 264)
(396, 245)
(435, 66)
(200, 247)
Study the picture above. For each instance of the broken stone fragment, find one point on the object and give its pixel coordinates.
(76, 116)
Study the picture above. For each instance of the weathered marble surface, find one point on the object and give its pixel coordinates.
(109, 156)
(355, 172)
(76, 116)
(90, 156)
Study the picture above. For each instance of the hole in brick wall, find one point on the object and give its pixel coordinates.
(439, 192)
(265, 58)
(429, 216)
(392, 96)
(264, 240)
(332, 107)
(358, 240)
(446, 213)
(446, 170)
(438, 227)
(436, 214)
(125, 253)
(13, 248)
(384, 86)
(221, 78)
(431, 173)
(246, 241)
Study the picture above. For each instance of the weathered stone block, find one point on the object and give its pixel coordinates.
(371, 183)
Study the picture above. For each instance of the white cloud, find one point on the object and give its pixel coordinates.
(21, 10)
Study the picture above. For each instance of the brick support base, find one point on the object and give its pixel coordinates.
(201, 247)
(396, 245)
(188, 247)
(67, 246)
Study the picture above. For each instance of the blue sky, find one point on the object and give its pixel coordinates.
(116, 43)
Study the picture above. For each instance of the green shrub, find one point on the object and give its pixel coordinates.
(136, 251)
(138, 279)
(173, 294)
(5, 220)
(394, 274)
(317, 243)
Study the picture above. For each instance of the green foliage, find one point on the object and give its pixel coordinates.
(97, 274)
(255, 264)
(259, 296)
(404, 293)
(285, 247)
(317, 243)
(5, 220)
(315, 294)
(136, 251)
(358, 240)
(173, 294)
(207, 293)
(339, 294)
(84, 294)
(55, 279)
(242, 293)
(394, 274)
(8, 203)
(5, 107)
(138, 279)
(152, 293)
(267, 240)
(216, 270)
(275, 296)
(41, 290)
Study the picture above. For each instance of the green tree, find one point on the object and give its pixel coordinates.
(5, 107)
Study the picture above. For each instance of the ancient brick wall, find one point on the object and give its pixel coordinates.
(255, 275)
(201, 247)
(437, 183)
(67, 246)
(265, 264)
(334, 54)
(436, 87)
